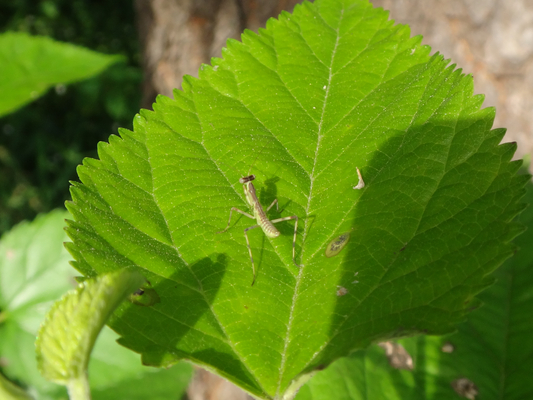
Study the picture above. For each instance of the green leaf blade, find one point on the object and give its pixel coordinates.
(10, 391)
(301, 105)
(491, 349)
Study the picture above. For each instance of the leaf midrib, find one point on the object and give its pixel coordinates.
(311, 179)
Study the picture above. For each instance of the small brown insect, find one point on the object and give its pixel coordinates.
(262, 220)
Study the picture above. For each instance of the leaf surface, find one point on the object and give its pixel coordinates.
(334, 87)
(10, 391)
(492, 349)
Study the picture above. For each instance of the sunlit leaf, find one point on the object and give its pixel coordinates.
(334, 87)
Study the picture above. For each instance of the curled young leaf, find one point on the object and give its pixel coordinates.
(67, 335)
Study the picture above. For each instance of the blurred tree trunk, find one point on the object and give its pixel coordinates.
(490, 39)
(178, 35)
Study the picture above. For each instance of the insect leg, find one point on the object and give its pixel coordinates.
(239, 211)
(294, 239)
(274, 202)
(250, 250)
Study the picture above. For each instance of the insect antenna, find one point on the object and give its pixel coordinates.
(247, 177)
(255, 159)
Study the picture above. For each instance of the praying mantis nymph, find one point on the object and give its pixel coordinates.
(262, 220)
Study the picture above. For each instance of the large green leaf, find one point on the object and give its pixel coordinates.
(493, 349)
(30, 65)
(303, 104)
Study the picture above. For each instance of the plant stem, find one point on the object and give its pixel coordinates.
(78, 388)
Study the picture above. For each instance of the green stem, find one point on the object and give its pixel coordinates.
(296, 384)
(78, 389)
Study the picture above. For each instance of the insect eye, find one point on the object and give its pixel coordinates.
(248, 178)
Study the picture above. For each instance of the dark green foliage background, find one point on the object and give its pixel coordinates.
(41, 144)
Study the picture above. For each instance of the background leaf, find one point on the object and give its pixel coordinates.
(32, 64)
(117, 373)
(331, 88)
(34, 272)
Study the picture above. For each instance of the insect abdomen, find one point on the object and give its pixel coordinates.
(267, 227)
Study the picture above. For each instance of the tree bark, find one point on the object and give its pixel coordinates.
(177, 36)
(490, 39)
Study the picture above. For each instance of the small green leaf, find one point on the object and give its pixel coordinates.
(67, 336)
(33, 64)
(303, 105)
